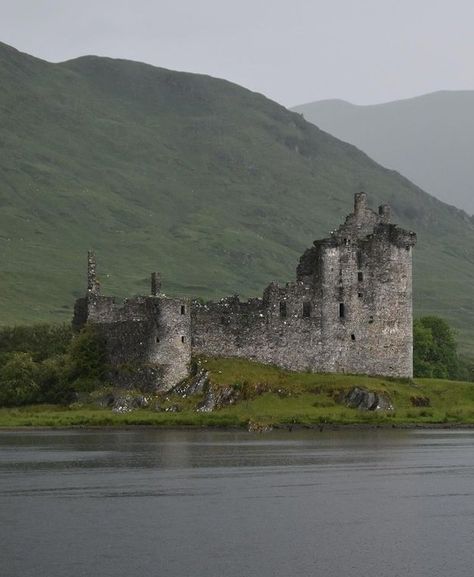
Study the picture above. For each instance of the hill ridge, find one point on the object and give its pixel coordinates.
(218, 187)
(429, 138)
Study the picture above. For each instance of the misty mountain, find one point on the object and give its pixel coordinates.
(217, 187)
(429, 139)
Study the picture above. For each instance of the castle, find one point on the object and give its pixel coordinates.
(348, 311)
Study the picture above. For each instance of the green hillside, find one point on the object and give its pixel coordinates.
(429, 138)
(217, 187)
(256, 396)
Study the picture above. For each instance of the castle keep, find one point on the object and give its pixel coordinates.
(348, 311)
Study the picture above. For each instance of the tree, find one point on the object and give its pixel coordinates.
(434, 349)
(18, 380)
(87, 359)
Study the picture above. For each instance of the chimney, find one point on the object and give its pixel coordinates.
(360, 202)
(93, 285)
(155, 284)
(385, 212)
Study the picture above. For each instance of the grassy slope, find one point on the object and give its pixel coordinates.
(219, 188)
(289, 398)
(427, 138)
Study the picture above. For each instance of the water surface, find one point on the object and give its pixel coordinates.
(234, 504)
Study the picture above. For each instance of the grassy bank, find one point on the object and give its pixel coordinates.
(266, 395)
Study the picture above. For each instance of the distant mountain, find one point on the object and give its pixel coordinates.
(429, 139)
(219, 188)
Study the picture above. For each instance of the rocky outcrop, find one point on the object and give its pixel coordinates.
(218, 397)
(365, 400)
(128, 403)
(193, 386)
(255, 427)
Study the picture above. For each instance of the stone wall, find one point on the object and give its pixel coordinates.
(148, 338)
(349, 311)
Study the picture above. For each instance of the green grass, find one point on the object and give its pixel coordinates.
(218, 187)
(278, 398)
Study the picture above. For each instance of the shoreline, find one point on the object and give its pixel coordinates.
(278, 427)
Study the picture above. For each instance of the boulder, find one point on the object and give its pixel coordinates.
(364, 400)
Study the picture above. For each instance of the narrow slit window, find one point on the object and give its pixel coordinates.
(360, 276)
(157, 339)
(283, 310)
(183, 339)
(353, 337)
(306, 309)
(183, 309)
(359, 258)
(342, 311)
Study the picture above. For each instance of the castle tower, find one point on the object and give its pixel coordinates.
(349, 311)
(147, 338)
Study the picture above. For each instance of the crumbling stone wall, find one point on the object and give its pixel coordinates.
(148, 338)
(350, 309)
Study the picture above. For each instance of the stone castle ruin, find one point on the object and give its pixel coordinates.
(348, 311)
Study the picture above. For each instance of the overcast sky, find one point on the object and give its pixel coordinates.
(293, 51)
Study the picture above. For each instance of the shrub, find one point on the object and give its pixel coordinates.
(19, 380)
(87, 360)
(434, 349)
(40, 341)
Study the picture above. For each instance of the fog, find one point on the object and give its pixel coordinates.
(293, 52)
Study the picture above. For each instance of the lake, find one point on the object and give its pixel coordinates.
(233, 504)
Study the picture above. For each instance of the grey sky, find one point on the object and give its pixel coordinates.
(365, 51)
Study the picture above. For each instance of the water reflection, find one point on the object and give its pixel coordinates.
(229, 503)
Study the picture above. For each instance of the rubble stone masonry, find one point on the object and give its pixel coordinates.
(348, 311)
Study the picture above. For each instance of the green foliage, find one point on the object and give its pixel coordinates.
(41, 341)
(87, 359)
(18, 380)
(208, 179)
(434, 349)
(55, 383)
(309, 400)
(46, 364)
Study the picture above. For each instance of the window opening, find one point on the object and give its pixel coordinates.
(360, 276)
(342, 311)
(353, 337)
(183, 309)
(283, 309)
(182, 339)
(360, 295)
(306, 309)
(359, 259)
